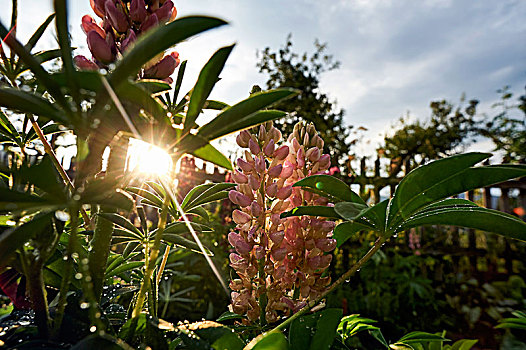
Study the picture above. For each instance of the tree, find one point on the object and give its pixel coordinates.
(285, 68)
(507, 129)
(440, 136)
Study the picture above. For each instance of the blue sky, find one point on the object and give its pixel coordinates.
(396, 56)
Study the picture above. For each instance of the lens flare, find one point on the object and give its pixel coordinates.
(146, 158)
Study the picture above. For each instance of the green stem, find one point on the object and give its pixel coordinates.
(66, 277)
(99, 252)
(377, 245)
(151, 260)
(37, 293)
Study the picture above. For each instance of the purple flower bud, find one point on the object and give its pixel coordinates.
(256, 209)
(327, 226)
(240, 217)
(275, 171)
(98, 7)
(138, 11)
(245, 137)
(253, 146)
(326, 244)
(130, 39)
(325, 261)
(88, 24)
(287, 170)
(83, 63)
(239, 198)
(99, 48)
(269, 148)
(162, 69)
(314, 262)
(281, 153)
(253, 182)
(245, 166)
(116, 16)
(240, 141)
(260, 164)
(325, 161)
(165, 11)
(277, 237)
(279, 254)
(284, 192)
(239, 243)
(300, 157)
(151, 21)
(259, 252)
(313, 154)
(271, 190)
(295, 145)
(239, 178)
(262, 134)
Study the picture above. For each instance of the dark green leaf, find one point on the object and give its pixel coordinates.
(301, 332)
(141, 192)
(326, 329)
(313, 210)
(221, 125)
(38, 33)
(330, 187)
(349, 210)
(14, 201)
(122, 222)
(209, 194)
(14, 238)
(124, 268)
(346, 230)
(154, 86)
(268, 341)
(156, 41)
(217, 105)
(227, 315)
(418, 337)
(208, 77)
(182, 242)
(477, 218)
(211, 154)
(30, 103)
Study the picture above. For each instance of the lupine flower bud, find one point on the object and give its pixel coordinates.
(162, 69)
(253, 182)
(239, 178)
(269, 148)
(150, 22)
(88, 24)
(239, 198)
(279, 254)
(116, 16)
(245, 166)
(255, 209)
(254, 147)
(272, 190)
(99, 48)
(262, 134)
(287, 170)
(313, 154)
(259, 252)
(165, 11)
(260, 165)
(295, 145)
(325, 161)
(277, 237)
(240, 217)
(83, 63)
(284, 192)
(98, 7)
(326, 244)
(239, 243)
(282, 152)
(130, 39)
(138, 11)
(275, 171)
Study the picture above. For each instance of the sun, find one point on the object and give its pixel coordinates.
(146, 158)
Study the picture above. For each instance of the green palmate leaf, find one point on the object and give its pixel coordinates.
(38, 33)
(154, 86)
(472, 217)
(326, 328)
(179, 80)
(228, 315)
(209, 194)
(14, 238)
(49, 129)
(221, 125)
(330, 187)
(105, 341)
(30, 103)
(463, 344)
(301, 332)
(247, 122)
(349, 210)
(45, 176)
(313, 210)
(156, 41)
(217, 105)
(346, 230)
(6, 127)
(180, 227)
(141, 192)
(122, 222)
(182, 242)
(42, 57)
(210, 154)
(132, 265)
(126, 235)
(450, 203)
(30, 61)
(419, 337)
(61, 22)
(208, 77)
(274, 340)
(14, 201)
